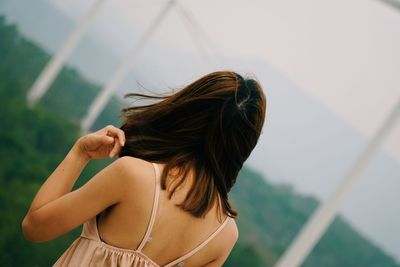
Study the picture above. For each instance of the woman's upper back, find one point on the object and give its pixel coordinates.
(172, 233)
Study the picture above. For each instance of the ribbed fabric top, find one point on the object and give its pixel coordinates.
(89, 250)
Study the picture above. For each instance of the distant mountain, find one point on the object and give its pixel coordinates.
(36, 139)
(270, 217)
(44, 24)
(33, 19)
(61, 95)
(307, 145)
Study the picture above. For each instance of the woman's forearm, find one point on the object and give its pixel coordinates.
(62, 180)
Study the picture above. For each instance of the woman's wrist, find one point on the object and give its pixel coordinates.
(78, 153)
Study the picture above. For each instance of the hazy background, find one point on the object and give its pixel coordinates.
(330, 70)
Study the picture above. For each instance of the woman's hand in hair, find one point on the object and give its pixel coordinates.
(104, 143)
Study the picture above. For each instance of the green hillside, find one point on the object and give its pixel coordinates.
(69, 95)
(33, 141)
(270, 217)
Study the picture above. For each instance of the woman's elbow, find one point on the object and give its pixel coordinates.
(30, 231)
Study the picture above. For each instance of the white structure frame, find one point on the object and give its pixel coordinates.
(53, 67)
(319, 222)
(101, 100)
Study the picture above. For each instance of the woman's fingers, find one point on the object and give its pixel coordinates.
(108, 140)
(105, 142)
(116, 132)
(115, 150)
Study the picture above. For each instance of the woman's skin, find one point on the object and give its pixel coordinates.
(121, 193)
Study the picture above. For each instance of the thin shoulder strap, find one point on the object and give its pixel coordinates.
(146, 237)
(180, 260)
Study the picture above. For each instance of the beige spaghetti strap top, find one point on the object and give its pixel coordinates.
(89, 250)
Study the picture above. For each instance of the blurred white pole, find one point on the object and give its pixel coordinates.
(53, 67)
(104, 96)
(192, 30)
(318, 223)
(199, 35)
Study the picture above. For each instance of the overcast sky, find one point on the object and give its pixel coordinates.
(343, 53)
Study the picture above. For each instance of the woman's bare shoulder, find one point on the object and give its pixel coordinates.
(231, 233)
(134, 172)
(130, 164)
(224, 243)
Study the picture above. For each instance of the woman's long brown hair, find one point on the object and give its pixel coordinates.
(210, 126)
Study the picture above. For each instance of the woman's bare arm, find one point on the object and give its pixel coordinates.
(47, 218)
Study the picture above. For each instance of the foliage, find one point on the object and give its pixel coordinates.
(271, 216)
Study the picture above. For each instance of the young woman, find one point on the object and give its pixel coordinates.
(164, 202)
